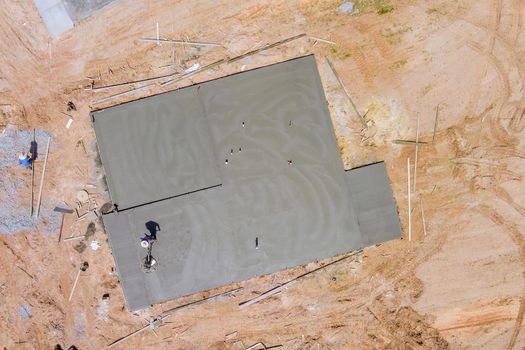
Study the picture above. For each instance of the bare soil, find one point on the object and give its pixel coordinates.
(462, 285)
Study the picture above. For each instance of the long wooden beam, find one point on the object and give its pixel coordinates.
(42, 179)
(346, 92)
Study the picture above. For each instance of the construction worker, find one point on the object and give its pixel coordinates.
(150, 239)
(25, 159)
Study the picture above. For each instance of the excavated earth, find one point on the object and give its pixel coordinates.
(460, 285)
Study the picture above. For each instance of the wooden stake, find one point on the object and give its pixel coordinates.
(121, 94)
(422, 214)
(322, 40)
(180, 42)
(74, 285)
(42, 179)
(346, 92)
(83, 267)
(72, 238)
(409, 208)
(158, 34)
(61, 227)
(107, 87)
(267, 294)
(33, 171)
(267, 47)
(435, 126)
(408, 142)
(417, 148)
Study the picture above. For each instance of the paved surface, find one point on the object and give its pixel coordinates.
(267, 214)
(373, 202)
(80, 9)
(60, 15)
(156, 148)
(55, 16)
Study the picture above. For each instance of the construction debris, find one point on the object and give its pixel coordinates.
(417, 148)
(258, 346)
(267, 47)
(181, 42)
(158, 320)
(435, 126)
(73, 238)
(95, 245)
(125, 93)
(363, 121)
(322, 40)
(107, 87)
(292, 281)
(407, 142)
(189, 74)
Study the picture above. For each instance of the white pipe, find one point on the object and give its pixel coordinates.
(409, 206)
(417, 148)
(42, 179)
(422, 214)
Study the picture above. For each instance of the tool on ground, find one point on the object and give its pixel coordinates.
(83, 267)
(63, 211)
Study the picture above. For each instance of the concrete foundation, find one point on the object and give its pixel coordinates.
(245, 177)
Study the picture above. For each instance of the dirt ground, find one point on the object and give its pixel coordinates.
(462, 285)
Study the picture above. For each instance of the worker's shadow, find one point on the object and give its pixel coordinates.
(33, 150)
(153, 227)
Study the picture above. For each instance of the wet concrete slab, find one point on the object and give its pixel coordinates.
(283, 200)
(373, 202)
(156, 148)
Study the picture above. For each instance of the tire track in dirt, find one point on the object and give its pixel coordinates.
(497, 131)
(516, 123)
(514, 233)
(517, 20)
(492, 41)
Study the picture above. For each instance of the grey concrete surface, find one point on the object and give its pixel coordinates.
(259, 121)
(156, 148)
(55, 16)
(80, 9)
(59, 16)
(374, 204)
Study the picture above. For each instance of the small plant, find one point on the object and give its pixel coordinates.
(380, 6)
(340, 53)
(384, 9)
(398, 64)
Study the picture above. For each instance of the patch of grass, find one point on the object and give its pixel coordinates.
(437, 10)
(393, 35)
(340, 52)
(426, 90)
(398, 64)
(384, 9)
(381, 7)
